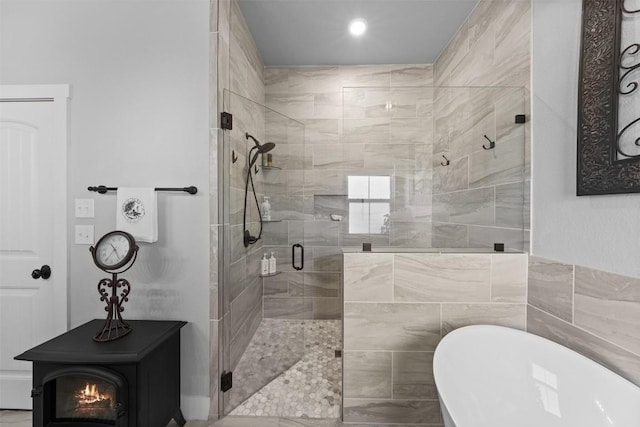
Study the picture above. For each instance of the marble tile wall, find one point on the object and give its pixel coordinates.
(397, 307)
(236, 288)
(593, 312)
(481, 83)
(358, 120)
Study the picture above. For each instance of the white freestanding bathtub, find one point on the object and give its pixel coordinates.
(491, 376)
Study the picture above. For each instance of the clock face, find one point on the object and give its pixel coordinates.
(114, 250)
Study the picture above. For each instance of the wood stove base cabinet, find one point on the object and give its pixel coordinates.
(133, 381)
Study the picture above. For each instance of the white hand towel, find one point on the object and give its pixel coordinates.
(137, 213)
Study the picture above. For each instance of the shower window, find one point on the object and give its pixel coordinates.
(369, 199)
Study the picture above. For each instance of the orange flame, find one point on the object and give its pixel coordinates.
(90, 394)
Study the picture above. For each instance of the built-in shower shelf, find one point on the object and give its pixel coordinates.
(271, 167)
(271, 274)
(271, 220)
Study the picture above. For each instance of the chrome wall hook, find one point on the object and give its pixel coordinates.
(492, 144)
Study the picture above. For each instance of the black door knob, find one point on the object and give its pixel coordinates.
(44, 272)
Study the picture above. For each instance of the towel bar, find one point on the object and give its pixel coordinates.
(103, 189)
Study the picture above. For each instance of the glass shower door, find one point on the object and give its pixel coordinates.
(480, 184)
(262, 331)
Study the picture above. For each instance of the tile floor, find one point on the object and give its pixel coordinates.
(232, 421)
(311, 388)
(276, 346)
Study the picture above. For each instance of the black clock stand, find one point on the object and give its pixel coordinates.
(114, 326)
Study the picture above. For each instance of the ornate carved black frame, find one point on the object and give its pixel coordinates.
(601, 80)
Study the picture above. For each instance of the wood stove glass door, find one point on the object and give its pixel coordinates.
(84, 396)
(79, 398)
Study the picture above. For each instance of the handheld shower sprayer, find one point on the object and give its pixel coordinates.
(259, 149)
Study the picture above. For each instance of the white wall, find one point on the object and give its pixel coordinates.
(139, 117)
(602, 232)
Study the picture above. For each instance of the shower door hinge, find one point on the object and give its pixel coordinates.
(226, 381)
(520, 118)
(226, 120)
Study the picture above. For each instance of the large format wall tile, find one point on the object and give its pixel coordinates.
(391, 411)
(458, 315)
(327, 258)
(321, 233)
(371, 131)
(609, 306)
(410, 131)
(485, 237)
(244, 304)
(385, 326)
(285, 308)
(413, 376)
(410, 234)
(438, 278)
(321, 131)
(315, 284)
(613, 357)
(509, 278)
(510, 205)
(503, 164)
(446, 235)
(368, 277)
(383, 156)
(328, 105)
(298, 106)
(324, 308)
(551, 287)
(367, 374)
(412, 75)
(449, 178)
(410, 330)
(472, 206)
(366, 76)
(314, 79)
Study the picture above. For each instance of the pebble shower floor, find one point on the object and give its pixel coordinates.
(312, 387)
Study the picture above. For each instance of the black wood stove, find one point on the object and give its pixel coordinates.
(130, 382)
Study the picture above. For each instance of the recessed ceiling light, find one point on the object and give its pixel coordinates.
(358, 27)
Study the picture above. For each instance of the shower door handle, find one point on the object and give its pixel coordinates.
(293, 256)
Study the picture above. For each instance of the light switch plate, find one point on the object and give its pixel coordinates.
(84, 235)
(84, 208)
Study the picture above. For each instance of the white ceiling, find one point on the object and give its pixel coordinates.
(314, 32)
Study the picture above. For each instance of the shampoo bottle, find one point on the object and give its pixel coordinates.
(272, 264)
(264, 265)
(266, 209)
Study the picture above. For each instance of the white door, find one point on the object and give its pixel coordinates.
(32, 235)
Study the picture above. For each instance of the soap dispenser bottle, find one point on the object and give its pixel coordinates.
(264, 265)
(272, 264)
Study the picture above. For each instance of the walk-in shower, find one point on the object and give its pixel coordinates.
(397, 167)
